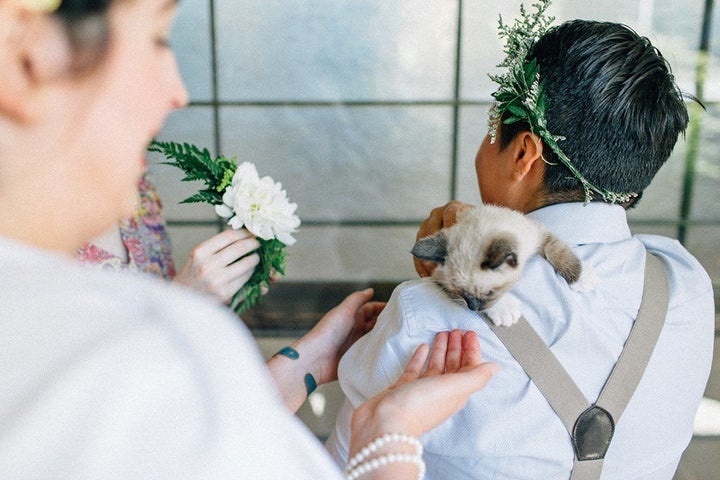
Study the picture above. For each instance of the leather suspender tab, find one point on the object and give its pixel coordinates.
(592, 433)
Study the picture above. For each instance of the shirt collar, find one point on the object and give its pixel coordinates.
(578, 223)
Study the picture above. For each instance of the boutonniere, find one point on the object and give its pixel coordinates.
(246, 200)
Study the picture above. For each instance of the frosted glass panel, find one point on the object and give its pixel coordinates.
(352, 253)
(191, 125)
(481, 48)
(672, 26)
(348, 163)
(473, 128)
(191, 39)
(712, 85)
(330, 50)
(706, 204)
(704, 243)
(185, 238)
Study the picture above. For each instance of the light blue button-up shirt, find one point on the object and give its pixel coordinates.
(508, 430)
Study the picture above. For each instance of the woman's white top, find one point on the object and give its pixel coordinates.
(106, 375)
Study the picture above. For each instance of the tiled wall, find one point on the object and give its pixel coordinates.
(370, 112)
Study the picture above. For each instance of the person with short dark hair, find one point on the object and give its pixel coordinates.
(585, 116)
(620, 116)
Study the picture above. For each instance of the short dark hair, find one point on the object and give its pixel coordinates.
(613, 97)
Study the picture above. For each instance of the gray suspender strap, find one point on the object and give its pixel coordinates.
(591, 426)
(641, 342)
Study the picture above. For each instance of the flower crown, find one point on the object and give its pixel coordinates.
(520, 92)
(40, 6)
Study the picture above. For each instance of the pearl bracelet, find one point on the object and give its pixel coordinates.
(374, 463)
(360, 465)
(380, 442)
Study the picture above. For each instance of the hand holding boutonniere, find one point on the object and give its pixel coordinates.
(246, 200)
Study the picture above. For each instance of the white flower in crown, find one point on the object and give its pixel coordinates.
(260, 205)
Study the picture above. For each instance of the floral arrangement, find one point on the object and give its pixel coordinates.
(246, 200)
(520, 92)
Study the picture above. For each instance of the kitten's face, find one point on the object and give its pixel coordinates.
(475, 263)
(479, 273)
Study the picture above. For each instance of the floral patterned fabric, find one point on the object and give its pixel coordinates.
(143, 236)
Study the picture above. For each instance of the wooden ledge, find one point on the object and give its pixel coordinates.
(290, 309)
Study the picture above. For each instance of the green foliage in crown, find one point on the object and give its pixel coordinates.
(520, 92)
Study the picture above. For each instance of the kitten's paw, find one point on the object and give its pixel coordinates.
(588, 280)
(505, 312)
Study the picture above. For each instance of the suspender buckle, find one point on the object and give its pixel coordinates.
(592, 433)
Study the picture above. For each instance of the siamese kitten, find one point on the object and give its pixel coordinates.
(482, 256)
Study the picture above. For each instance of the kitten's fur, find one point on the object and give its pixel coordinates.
(482, 256)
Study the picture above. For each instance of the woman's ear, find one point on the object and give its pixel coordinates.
(528, 152)
(34, 52)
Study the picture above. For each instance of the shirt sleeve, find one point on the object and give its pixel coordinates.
(375, 362)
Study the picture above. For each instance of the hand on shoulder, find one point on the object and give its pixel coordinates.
(439, 218)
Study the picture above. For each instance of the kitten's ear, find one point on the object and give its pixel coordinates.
(500, 252)
(432, 248)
